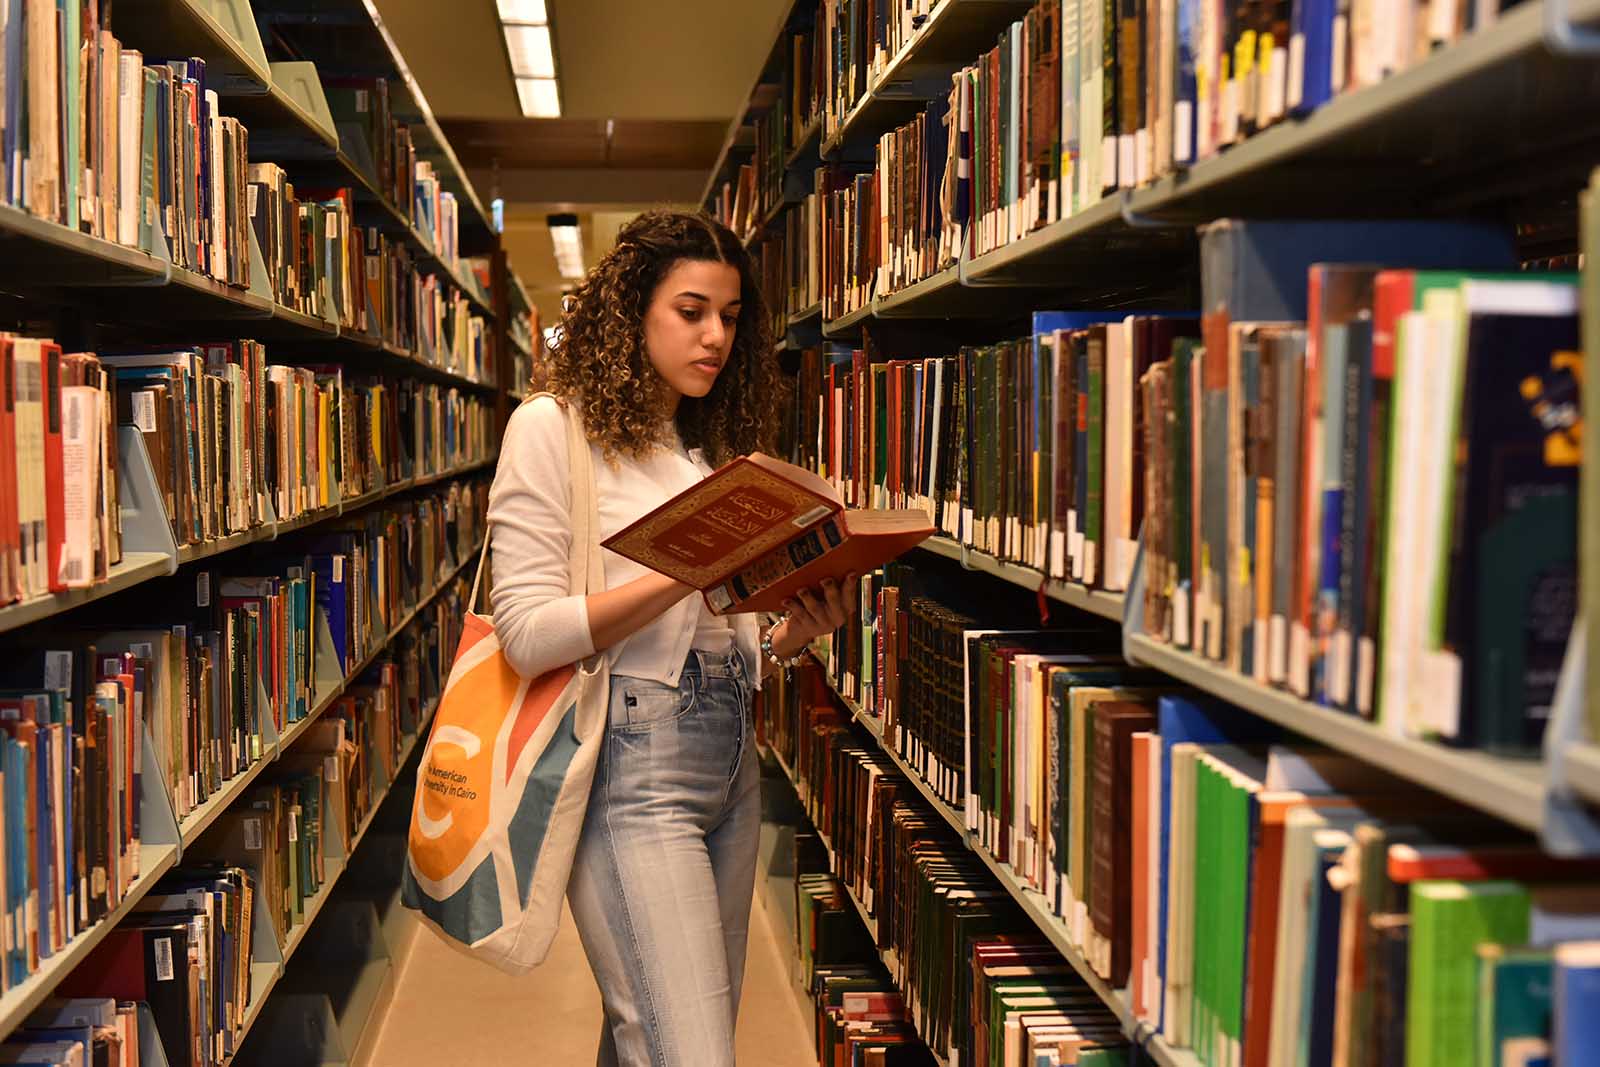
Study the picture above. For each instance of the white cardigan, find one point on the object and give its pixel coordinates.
(539, 625)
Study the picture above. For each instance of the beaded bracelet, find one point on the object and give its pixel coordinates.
(767, 650)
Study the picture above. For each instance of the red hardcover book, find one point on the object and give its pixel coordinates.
(54, 488)
(758, 530)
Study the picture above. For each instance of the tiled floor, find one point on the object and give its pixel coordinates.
(448, 1009)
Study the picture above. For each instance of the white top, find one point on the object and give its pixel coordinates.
(539, 625)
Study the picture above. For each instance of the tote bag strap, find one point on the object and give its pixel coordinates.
(586, 570)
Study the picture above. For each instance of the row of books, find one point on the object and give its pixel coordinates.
(60, 525)
(1076, 100)
(1369, 450)
(321, 264)
(437, 215)
(186, 951)
(858, 39)
(238, 644)
(77, 1032)
(1071, 103)
(1181, 880)
(449, 335)
(859, 1014)
(969, 974)
(1286, 430)
(361, 106)
(233, 442)
(1063, 763)
(197, 686)
(135, 154)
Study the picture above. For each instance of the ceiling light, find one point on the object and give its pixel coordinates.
(529, 47)
(539, 98)
(529, 11)
(568, 244)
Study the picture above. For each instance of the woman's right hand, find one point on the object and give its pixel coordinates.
(812, 613)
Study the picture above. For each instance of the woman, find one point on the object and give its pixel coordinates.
(666, 351)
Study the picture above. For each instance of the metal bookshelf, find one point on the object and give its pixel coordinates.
(1509, 788)
(847, 325)
(920, 70)
(1033, 904)
(1096, 601)
(157, 857)
(889, 957)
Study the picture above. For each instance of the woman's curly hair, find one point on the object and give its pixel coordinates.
(597, 357)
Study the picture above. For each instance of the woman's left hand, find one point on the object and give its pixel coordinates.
(814, 612)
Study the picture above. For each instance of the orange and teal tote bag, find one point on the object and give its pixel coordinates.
(505, 777)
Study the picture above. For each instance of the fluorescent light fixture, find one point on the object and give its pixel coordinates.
(531, 12)
(539, 97)
(568, 244)
(529, 47)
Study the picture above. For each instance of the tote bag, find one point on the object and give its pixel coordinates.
(505, 777)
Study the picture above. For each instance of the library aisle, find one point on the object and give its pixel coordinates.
(448, 1008)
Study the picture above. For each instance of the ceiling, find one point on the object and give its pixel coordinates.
(668, 76)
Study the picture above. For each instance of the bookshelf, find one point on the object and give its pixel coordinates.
(1491, 124)
(1342, 156)
(157, 856)
(1031, 902)
(888, 955)
(921, 67)
(1096, 601)
(99, 294)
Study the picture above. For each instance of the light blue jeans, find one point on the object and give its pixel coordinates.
(665, 867)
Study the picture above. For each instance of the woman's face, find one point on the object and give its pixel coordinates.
(689, 326)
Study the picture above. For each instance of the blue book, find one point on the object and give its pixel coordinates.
(1576, 996)
(1182, 719)
(36, 1054)
(1049, 321)
(1185, 103)
(1256, 271)
(1322, 953)
(44, 764)
(16, 856)
(1311, 29)
(333, 599)
(10, 140)
(1326, 616)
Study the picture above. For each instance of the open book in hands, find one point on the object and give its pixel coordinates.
(758, 530)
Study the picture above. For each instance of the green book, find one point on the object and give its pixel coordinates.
(1513, 996)
(148, 231)
(1448, 921)
(1104, 1056)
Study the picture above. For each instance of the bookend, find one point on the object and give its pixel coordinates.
(1570, 828)
(237, 20)
(295, 1028)
(347, 964)
(270, 739)
(158, 821)
(1563, 37)
(145, 526)
(259, 286)
(1133, 604)
(151, 1052)
(330, 676)
(353, 143)
(300, 83)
